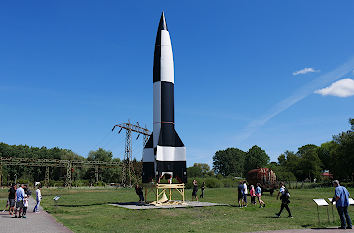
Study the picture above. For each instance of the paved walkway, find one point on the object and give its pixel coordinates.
(321, 230)
(41, 222)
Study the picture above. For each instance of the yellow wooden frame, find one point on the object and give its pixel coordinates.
(162, 188)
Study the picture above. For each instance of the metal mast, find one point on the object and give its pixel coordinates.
(128, 169)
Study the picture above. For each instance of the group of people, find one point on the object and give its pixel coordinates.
(195, 190)
(18, 200)
(341, 197)
(254, 192)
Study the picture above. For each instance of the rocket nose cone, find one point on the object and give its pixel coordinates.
(163, 24)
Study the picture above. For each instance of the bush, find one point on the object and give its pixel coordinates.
(213, 183)
(55, 183)
(100, 184)
(23, 181)
(80, 183)
(228, 182)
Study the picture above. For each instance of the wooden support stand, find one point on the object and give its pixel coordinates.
(169, 187)
(164, 189)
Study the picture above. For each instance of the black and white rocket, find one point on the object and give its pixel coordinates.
(164, 153)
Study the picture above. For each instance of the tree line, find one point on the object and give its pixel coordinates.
(80, 176)
(307, 163)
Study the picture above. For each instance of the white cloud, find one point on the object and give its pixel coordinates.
(297, 96)
(305, 71)
(340, 88)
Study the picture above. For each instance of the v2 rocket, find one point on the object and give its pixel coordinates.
(164, 153)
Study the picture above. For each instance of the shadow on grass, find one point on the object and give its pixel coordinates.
(83, 205)
(132, 203)
(104, 203)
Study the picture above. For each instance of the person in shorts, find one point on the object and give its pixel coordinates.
(195, 190)
(12, 197)
(20, 195)
(259, 196)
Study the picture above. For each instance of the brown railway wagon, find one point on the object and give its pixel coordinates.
(265, 176)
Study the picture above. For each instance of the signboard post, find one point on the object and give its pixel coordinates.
(333, 203)
(321, 202)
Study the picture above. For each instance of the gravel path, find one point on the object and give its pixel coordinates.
(41, 222)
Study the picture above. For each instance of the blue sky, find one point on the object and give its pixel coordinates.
(246, 73)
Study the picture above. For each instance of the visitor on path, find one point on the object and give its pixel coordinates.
(25, 206)
(203, 188)
(245, 192)
(38, 199)
(240, 191)
(259, 195)
(253, 195)
(341, 197)
(11, 199)
(284, 197)
(20, 195)
(28, 192)
(139, 192)
(195, 190)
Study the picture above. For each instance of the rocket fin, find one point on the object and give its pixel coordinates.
(148, 161)
(169, 137)
(149, 143)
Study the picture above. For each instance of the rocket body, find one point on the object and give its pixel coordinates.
(164, 153)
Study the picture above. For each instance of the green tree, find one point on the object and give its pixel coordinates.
(100, 155)
(229, 162)
(326, 153)
(344, 154)
(310, 164)
(194, 171)
(255, 158)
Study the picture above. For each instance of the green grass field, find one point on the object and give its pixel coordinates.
(87, 210)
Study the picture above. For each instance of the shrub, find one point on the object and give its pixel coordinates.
(213, 183)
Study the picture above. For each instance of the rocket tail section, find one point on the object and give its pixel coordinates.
(171, 154)
(168, 136)
(148, 161)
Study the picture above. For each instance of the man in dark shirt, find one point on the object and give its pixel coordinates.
(241, 192)
(12, 197)
(139, 192)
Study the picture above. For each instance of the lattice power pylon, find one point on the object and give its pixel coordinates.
(128, 168)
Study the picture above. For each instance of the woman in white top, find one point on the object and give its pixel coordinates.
(38, 199)
(245, 192)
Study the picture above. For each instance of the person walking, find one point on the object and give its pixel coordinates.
(240, 192)
(20, 195)
(139, 192)
(245, 192)
(259, 195)
(12, 198)
(284, 197)
(38, 199)
(202, 188)
(341, 197)
(253, 195)
(195, 190)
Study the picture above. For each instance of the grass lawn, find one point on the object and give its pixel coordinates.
(87, 210)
